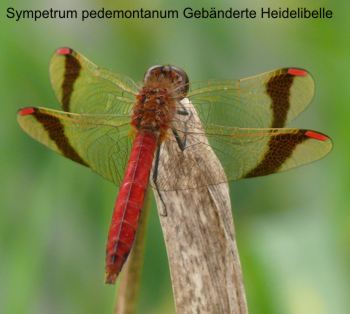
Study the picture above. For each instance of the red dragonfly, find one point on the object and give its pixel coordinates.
(118, 128)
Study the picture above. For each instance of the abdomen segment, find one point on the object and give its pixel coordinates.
(129, 203)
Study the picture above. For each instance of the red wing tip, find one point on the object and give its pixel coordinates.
(26, 111)
(64, 51)
(297, 72)
(316, 135)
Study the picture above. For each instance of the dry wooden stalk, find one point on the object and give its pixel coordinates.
(200, 240)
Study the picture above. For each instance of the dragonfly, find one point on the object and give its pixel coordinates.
(118, 128)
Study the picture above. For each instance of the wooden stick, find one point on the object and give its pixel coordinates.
(200, 241)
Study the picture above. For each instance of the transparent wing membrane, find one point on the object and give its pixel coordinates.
(243, 153)
(83, 87)
(271, 99)
(248, 153)
(101, 142)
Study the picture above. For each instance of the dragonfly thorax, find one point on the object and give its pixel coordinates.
(154, 109)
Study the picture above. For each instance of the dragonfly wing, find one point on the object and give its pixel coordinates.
(243, 153)
(267, 100)
(83, 87)
(101, 142)
(246, 153)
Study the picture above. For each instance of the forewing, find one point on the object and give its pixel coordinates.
(83, 87)
(267, 100)
(101, 142)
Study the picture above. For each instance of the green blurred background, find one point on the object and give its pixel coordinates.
(293, 229)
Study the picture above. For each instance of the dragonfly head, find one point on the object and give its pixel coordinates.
(168, 76)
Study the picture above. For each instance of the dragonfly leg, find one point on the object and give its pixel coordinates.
(162, 211)
(182, 112)
(180, 142)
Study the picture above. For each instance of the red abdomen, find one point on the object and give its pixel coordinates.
(129, 203)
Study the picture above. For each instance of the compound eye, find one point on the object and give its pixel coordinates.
(180, 81)
(152, 73)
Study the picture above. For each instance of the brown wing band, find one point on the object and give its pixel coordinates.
(55, 129)
(280, 148)
(278, 88)
(71, 73)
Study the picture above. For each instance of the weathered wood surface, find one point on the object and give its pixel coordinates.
(199, 235)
